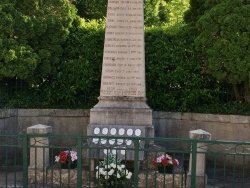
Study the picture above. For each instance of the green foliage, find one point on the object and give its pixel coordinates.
(111, 172)
(64, 67)
(164, 12)
(238, 108)
(223, 41)
(156, 12)
(174, 82)
(176, 10)
(195, 11)
(30, 47)
(91, 9)
(77, 78)
(75, 82)
(173, 74)
(198, 8)
(151, 11)
(16, 57)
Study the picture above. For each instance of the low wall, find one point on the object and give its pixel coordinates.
(62, 121)
(221, 127)
(166, 124)
(8, 124)
(8, 121)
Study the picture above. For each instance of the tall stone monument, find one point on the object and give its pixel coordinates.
(122, 109)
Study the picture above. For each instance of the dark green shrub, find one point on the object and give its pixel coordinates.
(173, 75)
(174, 79)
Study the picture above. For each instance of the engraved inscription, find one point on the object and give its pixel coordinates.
(123, 72)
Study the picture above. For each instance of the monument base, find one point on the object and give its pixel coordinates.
(116, 139)
(122, 111)
(121, 117)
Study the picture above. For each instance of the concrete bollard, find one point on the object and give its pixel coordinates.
(201, 177)
(39, 152)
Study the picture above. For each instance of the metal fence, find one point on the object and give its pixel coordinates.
(13, 89)
(29, 161)
(10, 88)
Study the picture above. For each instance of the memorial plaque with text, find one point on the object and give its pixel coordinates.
(123, 70)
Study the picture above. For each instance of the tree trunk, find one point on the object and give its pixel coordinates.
(247, 91)
(236, 92)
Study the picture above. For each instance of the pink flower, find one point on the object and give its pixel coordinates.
(57, 159)
(73, 155)
(66, 155)
(165, 160)
(175, 162)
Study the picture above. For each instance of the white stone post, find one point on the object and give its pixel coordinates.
(201, 177)
(39, 151)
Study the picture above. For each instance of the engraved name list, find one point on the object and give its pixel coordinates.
(123, 70)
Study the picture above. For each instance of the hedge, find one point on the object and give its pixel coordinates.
(174, 80)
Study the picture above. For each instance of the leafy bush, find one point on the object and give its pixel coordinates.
(77, 79)
(173, 74)
(174, 79)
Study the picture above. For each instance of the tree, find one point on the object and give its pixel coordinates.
(96, 9)
(176, 9)
(223, 42)
(32, 37)
(91, 9)
(198, 8)
(160, 12)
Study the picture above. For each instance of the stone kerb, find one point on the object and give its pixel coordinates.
(201, 177)
(158, 180)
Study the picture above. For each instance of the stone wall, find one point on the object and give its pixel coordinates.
(221, 127)
(18, 120)
(8, 121)
(166, 124)
(8, 124)
(63, 121)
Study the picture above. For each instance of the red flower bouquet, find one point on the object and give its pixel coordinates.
(165, 163)
(165, 160)
(67, 159)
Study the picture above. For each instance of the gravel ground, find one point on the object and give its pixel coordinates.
(214, 181)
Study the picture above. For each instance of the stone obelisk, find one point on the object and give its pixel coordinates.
(122, 109)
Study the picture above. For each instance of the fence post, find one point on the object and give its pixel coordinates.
(25, 161)
(79, 161)
(136, 162)
(197, 170)
(192, 163)
(39, 152)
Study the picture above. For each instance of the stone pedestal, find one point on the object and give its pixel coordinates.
(121, 110)
(201, 177)
(39, 151)
(120, 116)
